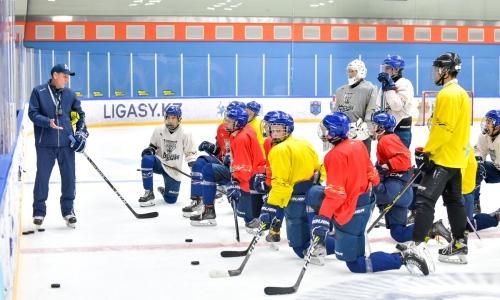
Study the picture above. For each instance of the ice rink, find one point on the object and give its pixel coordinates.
(113, 255)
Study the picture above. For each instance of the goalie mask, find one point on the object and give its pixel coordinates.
(356, 71)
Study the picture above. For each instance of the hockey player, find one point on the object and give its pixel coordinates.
(50, 110)
(164, 155)
(442, 158)
(245, 161)
(395, 170)
(217, 153)
(488, 143)
(345, 203)
(295, 167)
(397, 96)
(357, 99)
(253, 109)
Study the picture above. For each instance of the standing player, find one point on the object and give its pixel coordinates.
(346, 203)
(50, 110)
(217, 153)
(488, 143)
(395, 170)
(357, 99)
(397, 96)
(295, 167)
(442, 158)
(167, 147)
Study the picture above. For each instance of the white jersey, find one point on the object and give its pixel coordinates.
(399, 102)
(486, 145)
(172, 147)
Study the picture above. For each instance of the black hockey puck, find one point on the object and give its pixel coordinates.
(188, 240)
(55, 285)
(41, 229)
(28, 232)
(195, 262)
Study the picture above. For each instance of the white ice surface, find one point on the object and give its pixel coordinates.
(113, 255)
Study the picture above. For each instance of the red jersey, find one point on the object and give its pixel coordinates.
(222, 140)
(268, 144)
(349, 172)
(247, 158)
(391, 151)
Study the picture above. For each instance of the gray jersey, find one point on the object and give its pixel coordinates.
(172, 147)
(357, 102)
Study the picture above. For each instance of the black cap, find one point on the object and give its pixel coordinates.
(61, 68)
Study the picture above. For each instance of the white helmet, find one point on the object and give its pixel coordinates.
(360, 68)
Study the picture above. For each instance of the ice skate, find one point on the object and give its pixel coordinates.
(148, 199)
(439, 230)
(455, 252)
(411, 217)
(38, 221)
(318, 255)
(70, 220)
(416, 257)
(496, 214)
(195, 208)
(253, 226)
(206, 218)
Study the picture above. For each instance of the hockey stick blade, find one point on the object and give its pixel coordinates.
(148, 215)
(275, 290)
(218, 274)
(235, 253)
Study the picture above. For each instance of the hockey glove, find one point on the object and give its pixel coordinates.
(320, 227)
(78, 141)
(190, 164)
(423, 161)
(233, 191)
(382, 172)
(270, 214)
(259, 184)
(207, 147)
(226, 160)
(387, 82)
(151, 150)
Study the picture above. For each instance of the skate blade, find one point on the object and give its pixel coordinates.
(274, 246)
(147, 203)
(204, 223)
(72, 226)
(453, 259)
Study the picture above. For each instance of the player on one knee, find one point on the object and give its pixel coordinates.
(295, 168)
(345, 203)
(216, 153)
(168, 146)
(394, 168)
(244, 159)
(488, 143)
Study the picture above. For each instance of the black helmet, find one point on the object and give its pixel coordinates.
(450, 63)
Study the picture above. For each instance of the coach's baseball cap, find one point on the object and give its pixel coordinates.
(61, 68)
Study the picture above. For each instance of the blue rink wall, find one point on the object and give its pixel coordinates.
(248, 69)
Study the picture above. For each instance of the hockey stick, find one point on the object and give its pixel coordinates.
(173, 168)
(394, 201)
(148, 215)
(251, 247)
(236, 253)
(275, 290)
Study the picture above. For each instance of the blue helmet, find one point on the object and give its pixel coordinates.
(264, 124)
(395, 61)
(282, 118)
(337, 125)
(234, 104)
(239, 115)
(173, 110)
(493, 117)
(254, 106)
(384, 121)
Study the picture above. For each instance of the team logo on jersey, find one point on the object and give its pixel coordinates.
(170, 145)
(315, 107)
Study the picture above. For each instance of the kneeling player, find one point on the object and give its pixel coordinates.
(167, 147)
(346, 203)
